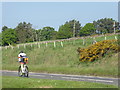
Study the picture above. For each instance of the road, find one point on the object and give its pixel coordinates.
(112, 81)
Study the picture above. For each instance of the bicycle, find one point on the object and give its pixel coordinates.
(25, 68)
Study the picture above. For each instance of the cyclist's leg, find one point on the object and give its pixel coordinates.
(22, 67)
(20, 71)
(22, 64)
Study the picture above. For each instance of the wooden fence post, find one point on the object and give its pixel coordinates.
(54, 44)
(115, 37)
(12, 47)
(31, 45)
(61, 43)
(105, 38)
(94, 40)
(18, 46)
(83, 41)
(38, 45)
(5, 47)
(24, 45)
(46, 44)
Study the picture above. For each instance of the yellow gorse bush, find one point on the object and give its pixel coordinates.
(98, 50)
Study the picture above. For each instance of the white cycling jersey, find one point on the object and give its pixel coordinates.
(21, 55)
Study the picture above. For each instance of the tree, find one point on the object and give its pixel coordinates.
(0, 39)
(69, 29)
(88, 29)
(64, 32)
(105, 25)
(54, 37)
(4, 28)
(9, 37)
(38, 32)
(47, 33)
(24, 32)
(75, 27)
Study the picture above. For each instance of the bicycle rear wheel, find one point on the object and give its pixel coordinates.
(26, 74)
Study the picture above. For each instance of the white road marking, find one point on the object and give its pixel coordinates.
(38, 75)
(100, 80)
(88, 79)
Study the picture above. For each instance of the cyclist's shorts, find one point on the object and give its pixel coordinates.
(22, 61)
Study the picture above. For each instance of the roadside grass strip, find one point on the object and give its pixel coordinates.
(18, 82)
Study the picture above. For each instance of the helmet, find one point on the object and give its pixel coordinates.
(21, 51)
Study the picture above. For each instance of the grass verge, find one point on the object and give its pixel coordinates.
(18, 82)
(97, 68)
(63, 60)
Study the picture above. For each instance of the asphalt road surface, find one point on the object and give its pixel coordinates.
(112, 81)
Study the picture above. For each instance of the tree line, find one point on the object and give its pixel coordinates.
(24, 32)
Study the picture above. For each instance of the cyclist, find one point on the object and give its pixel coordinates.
(21, 57)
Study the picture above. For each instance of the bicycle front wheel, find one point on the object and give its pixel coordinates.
(20, 72)
(26, 71)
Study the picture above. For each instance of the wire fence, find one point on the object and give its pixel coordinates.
(64, 42)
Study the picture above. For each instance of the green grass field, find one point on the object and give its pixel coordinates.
(18, 82)
(63, 60)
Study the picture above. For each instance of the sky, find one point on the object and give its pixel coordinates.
(55, 14)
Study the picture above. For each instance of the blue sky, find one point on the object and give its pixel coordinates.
(54, 14)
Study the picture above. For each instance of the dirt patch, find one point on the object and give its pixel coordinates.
(46, 87)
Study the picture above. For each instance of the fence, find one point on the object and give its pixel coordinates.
(81, 40)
